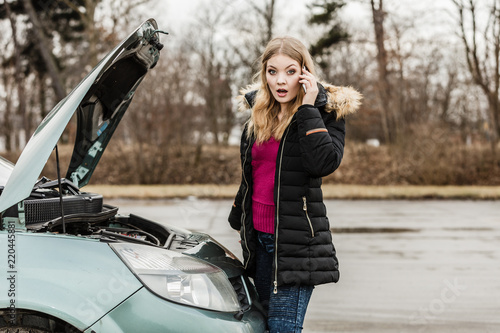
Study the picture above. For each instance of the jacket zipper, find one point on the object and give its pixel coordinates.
(275, 283)
(243, 216)
(307, 215)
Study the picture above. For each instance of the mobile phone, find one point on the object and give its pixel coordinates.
(303, 85)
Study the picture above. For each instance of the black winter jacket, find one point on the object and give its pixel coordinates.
(311, 148)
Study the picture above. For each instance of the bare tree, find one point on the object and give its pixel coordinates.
(215, 74)
(119, 10)
(482, 53)
(18, 73)
(7, 111)
(122, 13)
(254, 25)
(384, 89)
(43, 45)
(266, 14)
(87, 15)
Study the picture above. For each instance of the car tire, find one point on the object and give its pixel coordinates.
(22, 330)
(33, 322)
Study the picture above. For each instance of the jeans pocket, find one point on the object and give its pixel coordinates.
(267, 241)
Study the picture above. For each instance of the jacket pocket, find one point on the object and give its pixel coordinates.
(307, 215)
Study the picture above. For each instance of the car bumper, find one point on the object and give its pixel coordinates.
(145, 312)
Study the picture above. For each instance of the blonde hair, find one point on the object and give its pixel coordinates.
(264, 123)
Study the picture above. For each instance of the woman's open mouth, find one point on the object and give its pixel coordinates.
(282, 92)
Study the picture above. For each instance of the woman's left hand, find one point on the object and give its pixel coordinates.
(307, 79)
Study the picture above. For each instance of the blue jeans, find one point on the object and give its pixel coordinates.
(287, 308)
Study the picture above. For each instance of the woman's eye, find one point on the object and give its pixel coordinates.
(271, 71)
(291, 71)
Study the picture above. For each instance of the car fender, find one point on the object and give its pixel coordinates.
(75, 279)
(155, 315)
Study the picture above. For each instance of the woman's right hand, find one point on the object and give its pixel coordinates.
(307, 79)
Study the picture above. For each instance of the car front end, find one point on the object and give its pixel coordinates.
(74, 264)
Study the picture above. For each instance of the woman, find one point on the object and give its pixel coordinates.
(294, 137)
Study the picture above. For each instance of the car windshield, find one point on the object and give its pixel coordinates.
(5, 170)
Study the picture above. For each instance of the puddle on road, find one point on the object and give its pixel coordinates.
(362, 230)
(468, 229)
(366, 230)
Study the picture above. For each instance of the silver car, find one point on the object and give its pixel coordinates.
(71, 263)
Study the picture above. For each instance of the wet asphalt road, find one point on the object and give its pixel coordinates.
(406, 266)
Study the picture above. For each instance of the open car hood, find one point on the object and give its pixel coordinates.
(6, 168)
(100, 101)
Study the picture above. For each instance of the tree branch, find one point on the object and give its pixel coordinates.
(42, 44)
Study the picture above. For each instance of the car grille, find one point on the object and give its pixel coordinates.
(240, 288)
(43, 210)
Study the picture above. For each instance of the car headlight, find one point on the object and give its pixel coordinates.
(178, 277)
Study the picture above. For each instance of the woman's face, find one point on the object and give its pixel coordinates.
(282, 74)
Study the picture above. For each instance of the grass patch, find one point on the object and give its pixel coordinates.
(346, 192)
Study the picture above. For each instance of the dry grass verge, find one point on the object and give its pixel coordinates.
(330, 191)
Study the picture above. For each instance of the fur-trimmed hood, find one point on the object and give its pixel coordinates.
(343, 100)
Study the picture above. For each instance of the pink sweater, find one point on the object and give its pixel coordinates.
(263, 170)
